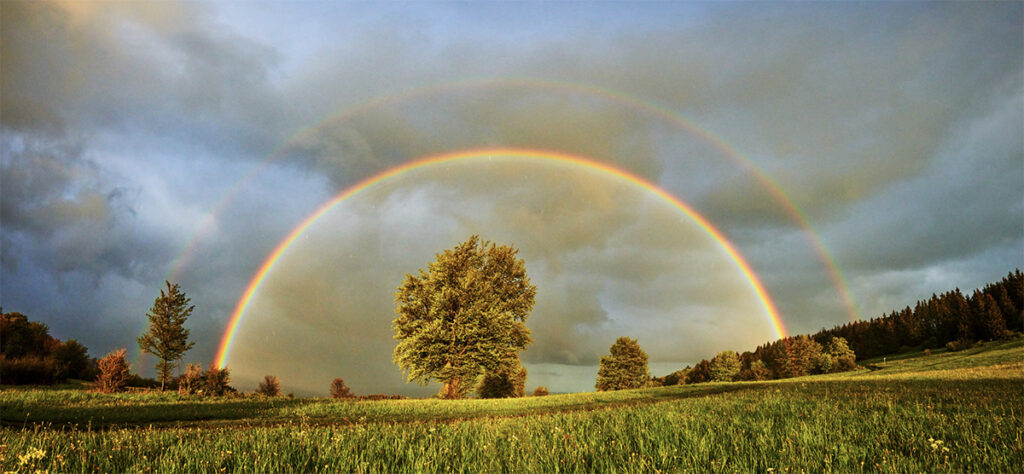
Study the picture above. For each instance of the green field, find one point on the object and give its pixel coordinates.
(954, 412)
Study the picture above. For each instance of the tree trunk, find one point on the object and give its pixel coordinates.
(451, 389)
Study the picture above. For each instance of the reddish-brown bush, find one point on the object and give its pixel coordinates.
(270, 386)
(114, 372)
(339, 390)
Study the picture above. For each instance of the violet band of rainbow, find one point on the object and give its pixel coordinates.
(779, 196)
(268, 264)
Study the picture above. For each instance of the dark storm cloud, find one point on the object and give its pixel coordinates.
(84, 87)
(895, 128)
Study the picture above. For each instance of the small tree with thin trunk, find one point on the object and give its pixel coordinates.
(114, 372)
(270, 386)
(167, 337)
(339, 390)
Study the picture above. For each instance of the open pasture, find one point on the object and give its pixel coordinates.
(942, 412)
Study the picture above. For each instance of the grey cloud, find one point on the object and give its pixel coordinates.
(873, 119)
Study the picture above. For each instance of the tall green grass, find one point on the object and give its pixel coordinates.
(963, 419)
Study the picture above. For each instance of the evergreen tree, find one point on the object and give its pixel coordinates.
(990, 318)
(167, 337)
(624, 368)
(464, 315)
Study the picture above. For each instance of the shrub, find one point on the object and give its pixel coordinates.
(509, 381)
(824, 364)
(677, 378)
(32, 369)
(380, 396)
(215, 381)
(191, 381)
(114, 372)
(959, 345)
(540, 391)
(270, 386)
(844, 364)
(759, 370)
(339, 390)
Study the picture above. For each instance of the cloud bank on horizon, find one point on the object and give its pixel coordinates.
(130, 132)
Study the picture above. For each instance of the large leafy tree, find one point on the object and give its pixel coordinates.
(725, 366)
(464, 315)
(625, 367)
(167, 337)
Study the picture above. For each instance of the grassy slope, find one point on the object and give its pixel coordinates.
(879, 420)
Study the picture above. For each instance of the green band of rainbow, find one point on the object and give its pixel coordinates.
(275, 255)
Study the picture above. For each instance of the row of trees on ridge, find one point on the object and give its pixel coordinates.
(949, 320)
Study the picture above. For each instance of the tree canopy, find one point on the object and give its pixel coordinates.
(625, 367)
(725, 366)
(167, 337)
(463, 315)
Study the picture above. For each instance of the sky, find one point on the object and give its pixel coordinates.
(856, 156)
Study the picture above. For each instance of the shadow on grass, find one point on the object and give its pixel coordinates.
(286, 412)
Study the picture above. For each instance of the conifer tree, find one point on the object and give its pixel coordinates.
(993, 326)
(167, 337)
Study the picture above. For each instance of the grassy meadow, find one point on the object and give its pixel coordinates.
(955, 412)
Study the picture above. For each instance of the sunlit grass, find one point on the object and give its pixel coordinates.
(913, 417)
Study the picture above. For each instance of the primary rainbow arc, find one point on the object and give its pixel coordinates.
(275, 255)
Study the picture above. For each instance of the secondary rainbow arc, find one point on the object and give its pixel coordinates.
(275, 255)
(778, 195)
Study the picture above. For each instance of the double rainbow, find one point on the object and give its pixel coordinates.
(779, 196)
(620, 174)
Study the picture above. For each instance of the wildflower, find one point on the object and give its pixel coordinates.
(31, 455)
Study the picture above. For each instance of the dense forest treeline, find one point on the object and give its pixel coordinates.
(951, 320)
(30, 355)
(948, 319)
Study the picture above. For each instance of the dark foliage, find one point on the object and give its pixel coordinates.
(28, 370)
(509, 381)
(215, 381)
(339, 389)
(270, 386)
(29, 355)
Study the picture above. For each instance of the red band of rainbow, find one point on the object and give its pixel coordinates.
(275, 255)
